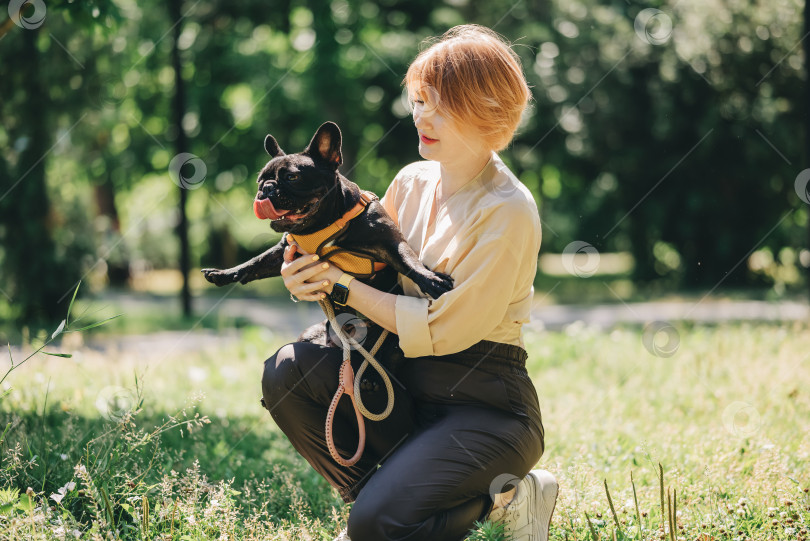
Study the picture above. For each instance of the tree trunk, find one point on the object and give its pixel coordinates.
(806, 44)
(117, 268)
(38, 279)
(181, 145)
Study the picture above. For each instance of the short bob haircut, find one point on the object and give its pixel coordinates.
(472, 76)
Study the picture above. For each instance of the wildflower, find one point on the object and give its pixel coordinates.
(60, 494)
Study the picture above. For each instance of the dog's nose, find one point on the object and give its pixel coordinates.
(268, 190)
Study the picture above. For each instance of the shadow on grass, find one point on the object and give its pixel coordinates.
(118, 463)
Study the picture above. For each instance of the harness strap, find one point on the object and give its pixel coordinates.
(320, 242)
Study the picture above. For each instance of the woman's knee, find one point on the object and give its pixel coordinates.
(377, 516)
(281, 374)
(364, 522)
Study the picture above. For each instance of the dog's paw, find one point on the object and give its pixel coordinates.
(221, 277)
(434, 283)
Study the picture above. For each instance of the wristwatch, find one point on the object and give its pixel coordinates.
(340, 291)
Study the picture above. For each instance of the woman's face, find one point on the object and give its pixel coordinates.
(440, 138)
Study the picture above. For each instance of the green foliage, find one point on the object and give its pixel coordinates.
(682, 153)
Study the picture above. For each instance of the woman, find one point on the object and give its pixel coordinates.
(466, 427)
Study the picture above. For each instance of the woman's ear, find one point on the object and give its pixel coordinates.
(325, 145)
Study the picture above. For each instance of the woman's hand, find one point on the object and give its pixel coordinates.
(305, 277)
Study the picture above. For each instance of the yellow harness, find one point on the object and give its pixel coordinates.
(320, 242)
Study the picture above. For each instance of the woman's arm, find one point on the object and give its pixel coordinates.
(377, 305)
(310, 281)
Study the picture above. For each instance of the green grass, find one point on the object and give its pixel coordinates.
(179, 447)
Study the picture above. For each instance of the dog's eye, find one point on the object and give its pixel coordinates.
(293, 177)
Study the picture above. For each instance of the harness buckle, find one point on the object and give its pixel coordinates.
(368, 197)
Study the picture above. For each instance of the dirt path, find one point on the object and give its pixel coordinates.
(287, 320)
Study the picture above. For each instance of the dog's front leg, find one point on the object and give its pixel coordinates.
(377, 236)
(405, 261)
(265, 265)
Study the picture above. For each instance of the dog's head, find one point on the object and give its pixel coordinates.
(294, 189)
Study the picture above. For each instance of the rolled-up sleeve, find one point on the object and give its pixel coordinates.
(492, 267)
(412, 325)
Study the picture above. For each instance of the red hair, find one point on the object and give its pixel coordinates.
(473, 76)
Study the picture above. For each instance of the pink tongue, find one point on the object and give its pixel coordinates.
(264, 210)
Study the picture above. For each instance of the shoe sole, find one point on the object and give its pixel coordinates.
(546, 488)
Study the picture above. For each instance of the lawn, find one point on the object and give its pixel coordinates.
(176, 445)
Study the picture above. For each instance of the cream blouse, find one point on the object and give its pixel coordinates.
(487, 237)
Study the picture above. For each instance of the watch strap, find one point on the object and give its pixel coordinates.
(340, 290)
(345, 279)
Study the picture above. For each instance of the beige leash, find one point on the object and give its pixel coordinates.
(350, 384)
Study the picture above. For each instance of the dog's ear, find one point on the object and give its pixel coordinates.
(325, 145)
(271, 146)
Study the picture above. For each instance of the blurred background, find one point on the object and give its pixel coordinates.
(665, 143)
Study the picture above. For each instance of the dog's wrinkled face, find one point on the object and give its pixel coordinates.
(293, 187)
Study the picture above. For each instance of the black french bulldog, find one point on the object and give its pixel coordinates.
(304, 193)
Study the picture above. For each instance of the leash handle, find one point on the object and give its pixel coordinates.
(350, 385)
(346, 386)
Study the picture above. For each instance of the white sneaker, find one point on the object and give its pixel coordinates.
(343, 536)
(528, 516)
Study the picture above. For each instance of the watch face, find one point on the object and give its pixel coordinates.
(340, 294)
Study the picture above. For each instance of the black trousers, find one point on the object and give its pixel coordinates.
(464, 427)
